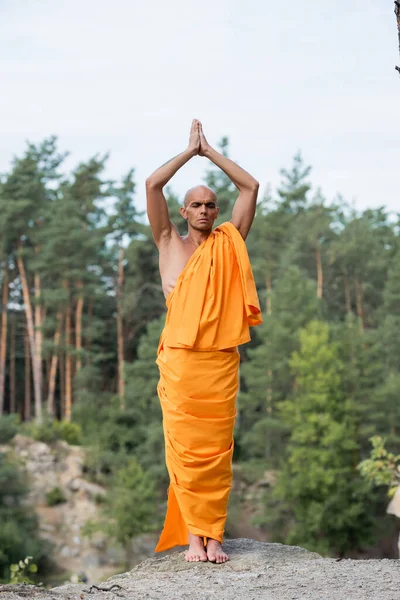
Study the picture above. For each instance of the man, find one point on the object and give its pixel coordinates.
(212, 301)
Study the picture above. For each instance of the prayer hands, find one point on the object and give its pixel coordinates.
(194, 137)
(204, 145)
(197, 140)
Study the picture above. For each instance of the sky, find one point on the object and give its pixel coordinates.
(127, 77)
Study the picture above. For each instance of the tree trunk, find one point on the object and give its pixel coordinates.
(3, 342)
(53, 367)
(88, 336)
(13, 334)
(68, 366)
(62, 383)
(347, 293)
(320, 278)
(359, 305)
(78, 327)
(120, 330)
(38, 331)
(269, 292)
(27, 398)
(31, 334)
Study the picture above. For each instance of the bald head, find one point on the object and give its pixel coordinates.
(200, 193)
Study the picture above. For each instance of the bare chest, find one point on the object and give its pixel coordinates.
(172, 260)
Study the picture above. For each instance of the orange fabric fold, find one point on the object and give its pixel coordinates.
(209, 313)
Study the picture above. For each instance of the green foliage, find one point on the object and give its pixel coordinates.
(18, 523)
(383, 467)
(266, 376)
(129, 508)
(318, 479)
(20, 571)
(113, 436)
(69, 432)
(9, 425)
(312, 262)
(55, 496)
(51, 430)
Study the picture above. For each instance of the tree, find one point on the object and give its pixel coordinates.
(319, 480)
(25, 195)
(3, 341)
(123, 225)
(295, 304)
(312, 234)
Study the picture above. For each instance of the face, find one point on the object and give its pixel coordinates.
(200, 208)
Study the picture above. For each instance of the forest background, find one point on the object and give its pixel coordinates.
(81, 313)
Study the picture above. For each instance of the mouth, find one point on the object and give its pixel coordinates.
(203, 220)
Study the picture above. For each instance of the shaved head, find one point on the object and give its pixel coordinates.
(199, 192)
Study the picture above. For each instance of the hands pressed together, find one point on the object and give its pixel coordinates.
(197, 141)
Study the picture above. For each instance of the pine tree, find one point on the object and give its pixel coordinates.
(319, 480)
(26, 193)
(123, 225)
(266, 375)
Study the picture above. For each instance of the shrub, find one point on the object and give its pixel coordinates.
(44, 432)
(50, 431)
(8, 428)
(55, 496)
(69, 432)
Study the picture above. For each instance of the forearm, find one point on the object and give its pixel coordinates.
(241, 178)
(163, 174)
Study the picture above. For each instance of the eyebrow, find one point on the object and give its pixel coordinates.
(198, 202)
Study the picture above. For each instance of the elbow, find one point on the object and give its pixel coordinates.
(150, 183)
(255, 186)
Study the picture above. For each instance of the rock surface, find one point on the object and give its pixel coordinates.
(59, 465)
(256, 571)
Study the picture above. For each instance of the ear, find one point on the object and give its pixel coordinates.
(183, 212)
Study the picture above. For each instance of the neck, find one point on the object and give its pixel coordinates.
(197, 237)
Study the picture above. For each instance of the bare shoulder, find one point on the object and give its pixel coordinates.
(170, 240)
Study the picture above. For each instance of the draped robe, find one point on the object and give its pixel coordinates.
(209, 313)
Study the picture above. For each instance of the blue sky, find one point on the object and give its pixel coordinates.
(127, 77)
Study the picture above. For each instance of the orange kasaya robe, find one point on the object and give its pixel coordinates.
(209, 313)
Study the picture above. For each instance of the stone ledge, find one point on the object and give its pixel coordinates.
(256, 571)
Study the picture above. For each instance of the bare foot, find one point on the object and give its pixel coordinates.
(215, 553)
(196, 552)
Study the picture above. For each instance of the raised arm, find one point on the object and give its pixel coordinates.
(245, 205)
(157, 209)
